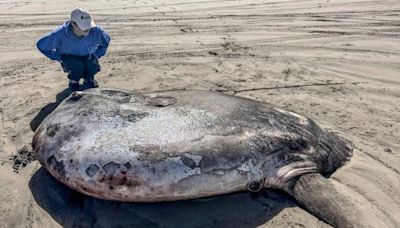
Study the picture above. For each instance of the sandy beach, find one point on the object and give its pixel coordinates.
(335, 61)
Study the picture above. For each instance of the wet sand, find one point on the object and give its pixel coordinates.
(336, 62)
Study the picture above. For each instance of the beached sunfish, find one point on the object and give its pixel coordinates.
(177, 145)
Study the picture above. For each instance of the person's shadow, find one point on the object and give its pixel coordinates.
(46, 110)
(73, 209)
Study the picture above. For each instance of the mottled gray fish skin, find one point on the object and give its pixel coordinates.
(175, 145)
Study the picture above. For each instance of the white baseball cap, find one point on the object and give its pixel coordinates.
(82, 18)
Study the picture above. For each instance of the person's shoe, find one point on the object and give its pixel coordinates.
(73, 86)
(90, 84)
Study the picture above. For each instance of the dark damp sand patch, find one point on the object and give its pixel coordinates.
(22, 158)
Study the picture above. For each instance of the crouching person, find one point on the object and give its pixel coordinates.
(78, 45)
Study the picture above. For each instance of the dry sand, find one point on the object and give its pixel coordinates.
(335, 61)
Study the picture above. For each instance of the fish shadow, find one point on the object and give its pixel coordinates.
(73, 209)
(49, 108)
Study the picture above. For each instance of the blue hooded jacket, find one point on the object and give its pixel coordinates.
(62, 40)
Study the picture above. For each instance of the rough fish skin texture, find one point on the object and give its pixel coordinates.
(176, 145)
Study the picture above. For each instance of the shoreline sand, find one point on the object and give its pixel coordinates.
(336, 62)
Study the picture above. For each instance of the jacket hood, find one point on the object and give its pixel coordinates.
(67, 29)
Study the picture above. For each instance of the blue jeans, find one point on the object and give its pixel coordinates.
(79, 67)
